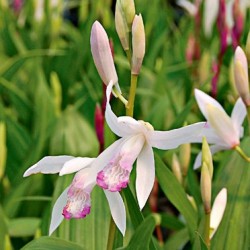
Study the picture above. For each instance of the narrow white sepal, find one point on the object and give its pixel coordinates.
(48, 165)
(117, 209)
(57, 217)
(145, 175)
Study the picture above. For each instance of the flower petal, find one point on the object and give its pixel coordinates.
(145, 174)
(120, 126)
(238, 114)
(188, 6)
(173, 138)
(218, 210)
(75, 165)
(57, 217)
(48, 165)
(117, 209)
(203, 100)
(214, 149)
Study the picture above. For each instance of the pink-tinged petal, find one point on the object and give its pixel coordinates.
(145, 174)
(117, 209)
(238, 114)
(223, 126)
(102, 55)
(75, 165)
(203, 100)
(173, 138)
(48, 165)
(120, 126)
(214, 149)
(56, 217)
(78, 197)
(115, 174)
(218, 210)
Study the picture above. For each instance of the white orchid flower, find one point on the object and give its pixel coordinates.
(137, 140)
(75, 201)
(222, 131)
(217, 211)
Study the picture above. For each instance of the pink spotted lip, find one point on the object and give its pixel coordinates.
(82, 214)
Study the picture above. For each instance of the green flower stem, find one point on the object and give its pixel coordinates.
(207, 229)
(120, 96)
(131, 100)
(242, 153)
(248, 119)
(111, 236)
(128, 53)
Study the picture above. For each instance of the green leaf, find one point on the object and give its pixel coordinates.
(45, 243)
(142, 236)
(22, 227)
(171, 222)
(176, 194)
(3, 228)
(177, 240)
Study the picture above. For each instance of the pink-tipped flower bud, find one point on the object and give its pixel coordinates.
(102, 55)
(138, 44)
(241, 75)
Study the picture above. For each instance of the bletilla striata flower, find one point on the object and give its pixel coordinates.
(222, 131)
(136, 142)
(75, 201)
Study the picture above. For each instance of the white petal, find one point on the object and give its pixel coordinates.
(211, 9)
(214, 149)
(145, 174)
(203, 100)
(75, 165)
(218, 210)
(117, 209)
(188, 6)
(120, 126)
(173, 138)
(48, 165)
(238, 114)
(57, 217)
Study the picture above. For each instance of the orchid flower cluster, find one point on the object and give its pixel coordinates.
(111, 169)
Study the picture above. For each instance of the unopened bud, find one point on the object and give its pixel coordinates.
(185, 153)
(241, 75)
(102, 55)
(207, 156)
(128, 7)
(138, 44)
(192, 201)
(206, 184)
(176, 168)
(121, 25)
(3, 151)
(248, 47)
(218, 210)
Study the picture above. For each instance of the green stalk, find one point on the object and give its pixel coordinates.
(242, 153)
(207, 228)
(248, 118)
(131, 99)
(111, 236)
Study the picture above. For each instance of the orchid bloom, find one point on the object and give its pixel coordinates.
(75, 201)
(222, 131)
(136, 142)
(217, 211)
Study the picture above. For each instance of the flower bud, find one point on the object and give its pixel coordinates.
(248, 47)
(128, 7)
(176, 168)
(185, 153)
(207, 156)
(218, 210)
(241, 75)
(192, 201)
(3, 151)
(102, 55)
(206, 185)
(121, 25)
(138, 44)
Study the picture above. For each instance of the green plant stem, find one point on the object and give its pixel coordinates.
(128, 53)
(131, 99)
(242, 153)
(248, 119)
(111, 236)
(207, 228)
